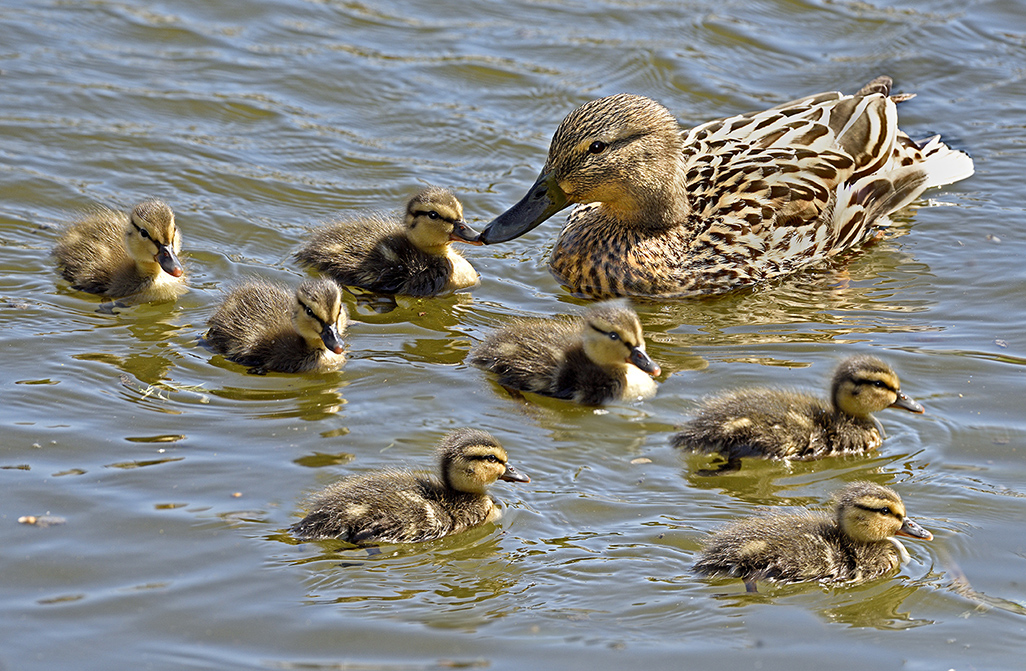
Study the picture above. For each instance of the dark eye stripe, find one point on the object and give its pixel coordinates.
(427, 213)
(885, 510)
(876, 383)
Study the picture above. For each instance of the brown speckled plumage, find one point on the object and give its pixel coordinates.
(586, 359)
(263, 326)
(855, 544)
(127, 256)
(395, 506)
(385, 254)
(793, 425)
(668, 212)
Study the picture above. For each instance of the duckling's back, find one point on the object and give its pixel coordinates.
(91, 253)
(373, 253)
(391, 507)
(253, 327)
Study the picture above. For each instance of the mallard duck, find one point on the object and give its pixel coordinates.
(120, 255)
(396, 506)
(262, 325)
(593, 359)
(667, 212)
(854, 545)
(412, 256)
(792, 425)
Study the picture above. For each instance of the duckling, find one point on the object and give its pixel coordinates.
(260, 325)
(396, 506)
(664, 212)
(387, 256)
(120, 255)
(591, 360)
(855, 545)
(791, 425)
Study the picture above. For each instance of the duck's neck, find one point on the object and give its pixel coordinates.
(654, 201)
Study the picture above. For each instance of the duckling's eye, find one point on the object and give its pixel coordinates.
(143, 233)
(308, 310)
(879, 383)
(597, 147)
(433, 215)
(614, 337)
(494, 459)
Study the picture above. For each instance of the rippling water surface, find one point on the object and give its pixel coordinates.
(176, 473)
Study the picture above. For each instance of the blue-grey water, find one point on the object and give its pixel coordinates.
(175, 474)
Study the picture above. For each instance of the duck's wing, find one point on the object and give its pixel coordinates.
(808, 178)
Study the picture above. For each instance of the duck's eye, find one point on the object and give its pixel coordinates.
(308, 310)
(597, 147)
(144, 233)
(492, 458)
(433, 215)
(879, 383)
(612, 336)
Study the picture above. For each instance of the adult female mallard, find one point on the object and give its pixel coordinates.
(118, 255)
(262, 325)
(396, 506)
(667, 212)
(792, 425)
(388, 255)
(592, 359)
(854, 545)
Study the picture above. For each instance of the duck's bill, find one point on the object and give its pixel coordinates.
(332, 339)
(169, 261)
(906, 403)
(513, 475)
(461, 232)
(543, 200)
(643, 361)
(913, 530)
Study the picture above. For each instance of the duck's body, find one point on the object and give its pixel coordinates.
(591, 360)
(785, 424)
(396, 506)
(854, 545)
(117, 255)
(263, 326)
(388, 255)
(669, 212)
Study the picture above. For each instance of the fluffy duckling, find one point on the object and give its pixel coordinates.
(395, 506)
(855, 545)
(593, 359)
(261, 325)
(666, 212)
(790, 425)
(382, 254)
(120, 255)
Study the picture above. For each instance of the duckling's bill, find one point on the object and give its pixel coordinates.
(913, 530)
(513, 475)
(543, 200)
(168, 261)
(462, 232)
(332, 339)
(907, 403)
(642, 360)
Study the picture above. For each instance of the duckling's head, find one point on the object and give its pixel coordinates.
(613, 337)
(869, 512)
(434, 218)
(865, 384)
(470, 460)
(319, 315)
(152, 237)
(621, 151)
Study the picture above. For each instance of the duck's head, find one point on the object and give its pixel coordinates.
(319, 315)
(434, 218)
(613, 337)
(470, 460)
(152, 237)
(621, 151)
(865, 384)
(870, 512)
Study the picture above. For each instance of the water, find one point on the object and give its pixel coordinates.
(176, 473)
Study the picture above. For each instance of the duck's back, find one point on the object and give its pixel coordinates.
(392, 507)
(775, 423)
(373, 253)
(253, 327)
(92, 255)
(793, 548)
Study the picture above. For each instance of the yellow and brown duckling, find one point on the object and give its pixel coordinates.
(590, 359)
(667, 212)
(412, 256)
(263, 326)
(118, 255)
(854, 545)
(785, 424)
(398, 506)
